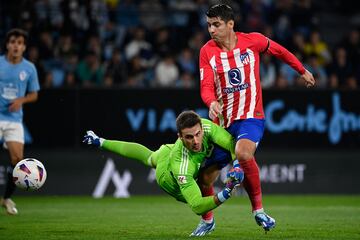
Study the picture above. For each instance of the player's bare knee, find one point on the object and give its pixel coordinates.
(244, 156)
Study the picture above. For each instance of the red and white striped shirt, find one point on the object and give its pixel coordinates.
(232, 78)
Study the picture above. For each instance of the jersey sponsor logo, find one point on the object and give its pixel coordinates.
(236, 89)
(235, 80)
(234, 76)
(22, 75)
(9, 91)
(182, 179)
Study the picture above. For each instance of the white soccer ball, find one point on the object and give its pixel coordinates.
(29, 174)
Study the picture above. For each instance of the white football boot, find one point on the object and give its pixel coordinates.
(10, 206)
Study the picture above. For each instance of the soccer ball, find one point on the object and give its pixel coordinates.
(29, 174)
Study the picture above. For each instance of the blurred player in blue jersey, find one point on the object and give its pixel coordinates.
(19, 84)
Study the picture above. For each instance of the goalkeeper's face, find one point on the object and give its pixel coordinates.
(192, 138)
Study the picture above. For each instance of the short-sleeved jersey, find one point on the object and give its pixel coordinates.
(233, 77)
(178, 167)
(15, 81)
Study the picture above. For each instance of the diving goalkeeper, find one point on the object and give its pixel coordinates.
(178, 166)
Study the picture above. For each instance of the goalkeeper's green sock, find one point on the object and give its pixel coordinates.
(129, 150)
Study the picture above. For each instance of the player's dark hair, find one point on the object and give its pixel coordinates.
(17, 32)
(223, 11)
(187, 119)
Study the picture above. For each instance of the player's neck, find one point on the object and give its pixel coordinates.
(13, 59)
(229, 43)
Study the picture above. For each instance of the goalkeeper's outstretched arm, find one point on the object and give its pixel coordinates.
(200, 204)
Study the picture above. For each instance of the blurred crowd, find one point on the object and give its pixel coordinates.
(155, 43)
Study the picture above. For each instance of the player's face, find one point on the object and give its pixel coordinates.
(15, 47)
(218, 29)
(192, 138)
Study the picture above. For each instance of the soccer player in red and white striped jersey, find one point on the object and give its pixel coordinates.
(230, 87)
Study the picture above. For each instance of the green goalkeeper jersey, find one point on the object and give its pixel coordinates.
(177, 167)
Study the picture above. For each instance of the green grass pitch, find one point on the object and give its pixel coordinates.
(161, 217)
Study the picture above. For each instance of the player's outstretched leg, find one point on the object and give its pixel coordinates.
(203, 228)
(264, 220)
(126, 149)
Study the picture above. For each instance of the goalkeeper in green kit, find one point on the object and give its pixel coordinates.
(182, 169)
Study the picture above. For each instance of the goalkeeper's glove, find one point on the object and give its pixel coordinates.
(92, 139)
(234, 177)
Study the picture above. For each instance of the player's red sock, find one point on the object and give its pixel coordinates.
(252, 183)
(207, 191)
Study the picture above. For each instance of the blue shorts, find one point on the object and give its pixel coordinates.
(252, 129)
